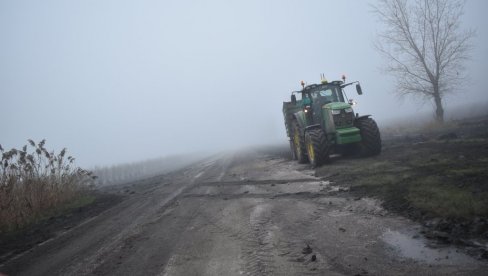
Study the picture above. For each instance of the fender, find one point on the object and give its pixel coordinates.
(357, 118)
(313, 127)
(302, 121)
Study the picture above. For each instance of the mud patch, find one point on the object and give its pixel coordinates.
(434, 176)
(417, 249)
(267, 187)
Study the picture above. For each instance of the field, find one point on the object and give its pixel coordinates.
(433, 174)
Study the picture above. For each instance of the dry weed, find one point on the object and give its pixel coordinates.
(34, 180)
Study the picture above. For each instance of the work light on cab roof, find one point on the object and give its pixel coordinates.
(320, 121)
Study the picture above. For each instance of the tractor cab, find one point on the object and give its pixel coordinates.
(329, 91)
(320, 94)
(314, 97)
(324, 93)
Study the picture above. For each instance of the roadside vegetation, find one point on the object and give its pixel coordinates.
(43, 192)
(35, 183)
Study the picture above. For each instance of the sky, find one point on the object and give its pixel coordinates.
(122, 81)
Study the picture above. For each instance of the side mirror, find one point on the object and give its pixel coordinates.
(358, 89)
(293, 99)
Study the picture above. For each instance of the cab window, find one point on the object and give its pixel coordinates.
(327, 95)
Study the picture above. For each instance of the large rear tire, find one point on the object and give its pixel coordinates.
(299, 144)
(318, 147)
(370, 137)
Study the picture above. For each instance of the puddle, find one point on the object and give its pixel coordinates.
(417, 249)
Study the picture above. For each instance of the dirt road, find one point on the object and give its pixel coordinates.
(245, 213)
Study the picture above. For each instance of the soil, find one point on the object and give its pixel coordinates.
(17, 242)
(437, 176)
(255, 212)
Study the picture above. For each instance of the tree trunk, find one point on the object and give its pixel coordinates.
(439, 110)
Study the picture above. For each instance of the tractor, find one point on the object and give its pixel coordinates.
(320, 121)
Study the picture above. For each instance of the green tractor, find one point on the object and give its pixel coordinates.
(319, 122)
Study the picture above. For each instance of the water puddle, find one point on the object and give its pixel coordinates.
(418, 249)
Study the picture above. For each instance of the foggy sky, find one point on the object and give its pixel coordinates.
(121, 81)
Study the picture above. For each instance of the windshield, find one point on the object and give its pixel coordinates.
(328, 94)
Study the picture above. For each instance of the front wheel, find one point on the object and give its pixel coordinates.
(370, 137)
(318, 147)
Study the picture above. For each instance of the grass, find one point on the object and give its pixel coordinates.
(35, 182)
(435, 179)
(447, 201)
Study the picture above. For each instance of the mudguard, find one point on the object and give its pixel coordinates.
(313, 127)
(361, 117)
(302, 120)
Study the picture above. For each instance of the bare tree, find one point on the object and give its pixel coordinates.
(425, 47)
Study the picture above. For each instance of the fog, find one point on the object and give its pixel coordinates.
(121, 81)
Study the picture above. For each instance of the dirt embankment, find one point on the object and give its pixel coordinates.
(435, 175)
(16, 242)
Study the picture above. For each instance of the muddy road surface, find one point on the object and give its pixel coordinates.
(243, 213)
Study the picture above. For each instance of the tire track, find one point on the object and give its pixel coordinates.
(258, 249)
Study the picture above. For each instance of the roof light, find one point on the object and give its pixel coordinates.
(323, 80)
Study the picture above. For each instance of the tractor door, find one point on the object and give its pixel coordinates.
(316, 109)
(320, 97)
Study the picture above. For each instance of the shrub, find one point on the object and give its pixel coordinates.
(34, 181)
